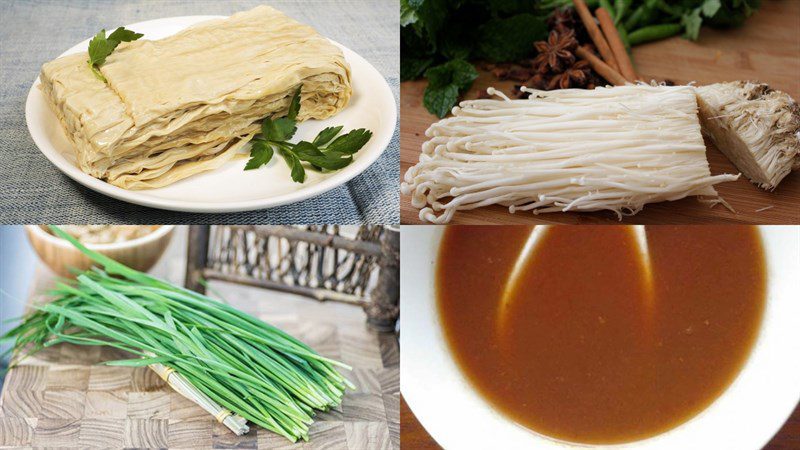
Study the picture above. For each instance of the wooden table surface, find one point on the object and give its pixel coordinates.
(766, 48)
(62, 398)
(415, 436)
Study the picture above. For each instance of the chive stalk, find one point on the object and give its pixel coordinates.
(249, 367)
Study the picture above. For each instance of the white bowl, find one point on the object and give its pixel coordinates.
(60, 256)
(745, 416)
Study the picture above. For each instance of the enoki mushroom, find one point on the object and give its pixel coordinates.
(615, 148)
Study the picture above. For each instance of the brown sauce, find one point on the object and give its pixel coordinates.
(584, 352)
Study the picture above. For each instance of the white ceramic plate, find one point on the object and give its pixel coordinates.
(745, 416)
(230, 188)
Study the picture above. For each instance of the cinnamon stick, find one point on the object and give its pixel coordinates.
(615, 42)
(600, 67)
(595, 34)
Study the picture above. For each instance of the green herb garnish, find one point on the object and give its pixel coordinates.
(445, 83)
(101, 46)
(440, 39)
(323, 153)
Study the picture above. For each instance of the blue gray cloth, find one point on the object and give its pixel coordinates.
(32, 190)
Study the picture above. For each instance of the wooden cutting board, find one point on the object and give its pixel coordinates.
(766, 48)
(62, 398)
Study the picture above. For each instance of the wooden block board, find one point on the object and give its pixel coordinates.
(62, 398)
(766, 48)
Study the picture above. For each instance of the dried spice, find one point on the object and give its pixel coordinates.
(555, 66)
(575, 76)
(562, 20)
(556, 53)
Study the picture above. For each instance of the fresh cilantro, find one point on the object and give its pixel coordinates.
(101, 46)
(325, 152)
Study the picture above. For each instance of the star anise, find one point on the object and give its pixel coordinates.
(556, 52)
(563, 19)
(595, 80)
(575, 76)
(538, 81)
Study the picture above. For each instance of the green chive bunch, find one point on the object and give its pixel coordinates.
(247, 366)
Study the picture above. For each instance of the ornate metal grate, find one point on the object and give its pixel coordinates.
(357, 265)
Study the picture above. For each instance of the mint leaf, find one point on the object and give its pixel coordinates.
(122, 34)
(457, 72)
(294, 106)
(351, 142)
(413, 68)
(710, 7)
(326, 135)
(260, 153)
(510, 39)
(445, 82)
(463, 74)
(408, 14)
(440, 101)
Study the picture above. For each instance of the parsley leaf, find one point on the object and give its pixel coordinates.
(101, 46)
(309, 152)
(324, 153)
(260, 153)
(326, 135)
(279, 129)
(122, 34)
(351, 142)
(294, 105)
(298, 172)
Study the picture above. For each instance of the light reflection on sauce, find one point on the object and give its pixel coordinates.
(580, 354)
